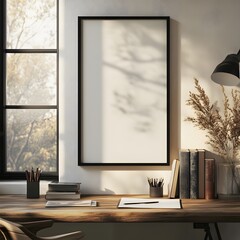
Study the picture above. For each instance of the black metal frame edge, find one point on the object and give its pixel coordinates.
(4, 175)
(29, 51)
(30, 107)
(168, 89)
(80, 88)
(123, 164)
(2, 84)
(123, 17)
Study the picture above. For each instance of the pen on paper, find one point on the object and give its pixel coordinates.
(130, 203)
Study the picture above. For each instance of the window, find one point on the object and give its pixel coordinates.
(29, 88)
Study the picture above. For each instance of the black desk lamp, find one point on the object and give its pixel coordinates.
(227, 72)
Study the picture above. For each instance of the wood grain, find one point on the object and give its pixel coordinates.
(19, 208)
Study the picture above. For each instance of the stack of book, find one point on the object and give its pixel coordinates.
(63, 191)
(197, 174)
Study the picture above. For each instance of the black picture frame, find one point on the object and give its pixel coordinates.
(111, 48)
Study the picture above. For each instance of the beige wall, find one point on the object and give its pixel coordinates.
(202, 34)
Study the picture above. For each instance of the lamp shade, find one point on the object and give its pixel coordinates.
(227, 72)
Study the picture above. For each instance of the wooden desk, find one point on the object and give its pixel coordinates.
(19, 208)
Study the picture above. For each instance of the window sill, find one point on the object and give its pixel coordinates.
(19, 187)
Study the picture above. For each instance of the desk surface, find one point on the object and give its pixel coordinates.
(19, 208)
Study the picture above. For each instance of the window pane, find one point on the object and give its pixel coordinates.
(31, 24)
(31, 79)
(31, 139)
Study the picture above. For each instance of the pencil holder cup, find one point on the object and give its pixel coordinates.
(33, 189)
(156, 191)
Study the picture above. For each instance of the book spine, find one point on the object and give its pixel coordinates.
(184, 157)
(201, 173)
(209, 178)
(170, 187)
(193, 174)
(62, 197)
(63, 188)
(175, 179)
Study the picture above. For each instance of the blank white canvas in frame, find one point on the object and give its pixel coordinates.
(124, 91)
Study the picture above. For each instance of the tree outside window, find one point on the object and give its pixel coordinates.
(31, 85)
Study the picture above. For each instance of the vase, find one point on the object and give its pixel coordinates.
(228, 180)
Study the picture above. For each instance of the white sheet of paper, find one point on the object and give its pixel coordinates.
(71, 203)
(147, 203)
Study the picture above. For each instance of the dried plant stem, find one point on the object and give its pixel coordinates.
(223, 131)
